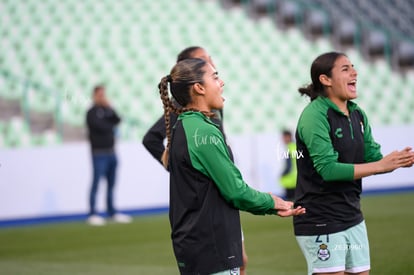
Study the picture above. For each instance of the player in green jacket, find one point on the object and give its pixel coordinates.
(335, 151)
(206, 188)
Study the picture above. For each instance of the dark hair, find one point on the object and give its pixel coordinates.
(323, 64)
(187, 53)
(98, 88)
(286, 132)
(181, 78)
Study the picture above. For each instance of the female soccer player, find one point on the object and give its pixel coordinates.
(206, 188)
(334, 135)
(154, 138)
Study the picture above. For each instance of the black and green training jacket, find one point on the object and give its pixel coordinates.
(206, 193)
(329, 143)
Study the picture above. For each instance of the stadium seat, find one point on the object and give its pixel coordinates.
(258, 8)
(345, 32)
(17, 133)
(403, 54)
(316, 23)
(374, 43)
(288, 14)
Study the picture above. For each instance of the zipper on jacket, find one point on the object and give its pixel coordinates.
(350, 126)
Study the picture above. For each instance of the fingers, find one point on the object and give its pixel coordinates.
(407, 149)
(406, 157)
(397, 159)
(285, 208)
(292, 212)
(284, 205)
(298, 211)
(281, 204)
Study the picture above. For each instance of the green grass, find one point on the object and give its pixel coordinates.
(144, 246)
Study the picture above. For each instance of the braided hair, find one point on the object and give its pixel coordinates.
(180, 80)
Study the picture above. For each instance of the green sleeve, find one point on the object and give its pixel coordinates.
(313, 130)
(372, 149)
(209, 155)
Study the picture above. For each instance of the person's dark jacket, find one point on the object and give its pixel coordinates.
(101, 122)
(206, 192)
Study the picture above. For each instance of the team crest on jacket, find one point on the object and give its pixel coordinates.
(323, 252)
(338, 133)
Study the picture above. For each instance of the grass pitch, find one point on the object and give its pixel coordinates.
(144, 247)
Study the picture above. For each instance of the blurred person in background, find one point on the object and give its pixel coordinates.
(338, 150)
(289, 173)
(101, 120)
(206, 188)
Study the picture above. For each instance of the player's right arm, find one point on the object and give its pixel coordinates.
(153, 140)
(392, 161)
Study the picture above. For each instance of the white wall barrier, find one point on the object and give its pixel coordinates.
(261, 159)
(55, 180)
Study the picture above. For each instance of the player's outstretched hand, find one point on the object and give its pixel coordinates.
(410, 161)
(291, 212)
(397, 159)
(281, 204)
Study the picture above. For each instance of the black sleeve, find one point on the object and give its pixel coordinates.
(288, 166)
(115, 117)
(101, 125)
(153, 140)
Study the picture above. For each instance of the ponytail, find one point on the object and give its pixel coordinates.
(169, 107)
(322, 65)
(180, 80)
(309, 91)
(166, 101)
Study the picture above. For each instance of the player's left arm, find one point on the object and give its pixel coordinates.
(372, 149)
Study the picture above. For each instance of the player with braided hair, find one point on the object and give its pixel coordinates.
(153, 140)
(206, 188)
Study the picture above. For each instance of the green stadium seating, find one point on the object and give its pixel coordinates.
(17, 133)
(61, 49)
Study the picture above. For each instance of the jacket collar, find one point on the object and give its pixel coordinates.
(351, 105)
(198, 115)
